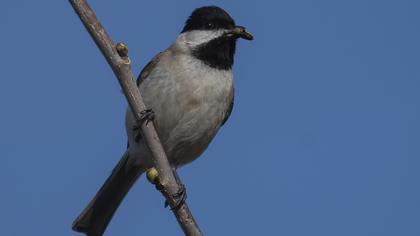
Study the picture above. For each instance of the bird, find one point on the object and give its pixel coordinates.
(190, 89)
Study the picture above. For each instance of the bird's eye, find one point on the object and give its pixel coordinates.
(209, 25)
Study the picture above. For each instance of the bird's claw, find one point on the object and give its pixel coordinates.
(145, 116)
(179, 197)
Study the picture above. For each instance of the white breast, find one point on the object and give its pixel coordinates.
(190, 101)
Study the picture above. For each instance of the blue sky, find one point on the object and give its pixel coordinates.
(323, 140)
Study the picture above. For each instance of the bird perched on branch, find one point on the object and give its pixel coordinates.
(189, 88)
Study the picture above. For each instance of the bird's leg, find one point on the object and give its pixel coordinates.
(179, 196)
(145, 116)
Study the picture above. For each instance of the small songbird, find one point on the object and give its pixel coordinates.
(189, 88)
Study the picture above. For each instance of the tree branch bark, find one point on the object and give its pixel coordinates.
(121, 65)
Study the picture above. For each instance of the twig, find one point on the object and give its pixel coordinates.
(120, 64)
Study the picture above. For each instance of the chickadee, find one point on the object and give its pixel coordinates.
(189, 86)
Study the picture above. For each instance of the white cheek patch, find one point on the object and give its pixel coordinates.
(197, 37)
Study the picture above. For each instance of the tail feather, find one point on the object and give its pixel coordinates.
(96, 216)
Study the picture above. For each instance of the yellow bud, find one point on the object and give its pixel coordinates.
(152, 175)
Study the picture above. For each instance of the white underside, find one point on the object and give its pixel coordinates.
(190, 101)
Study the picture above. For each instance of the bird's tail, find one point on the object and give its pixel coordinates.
(95, 217)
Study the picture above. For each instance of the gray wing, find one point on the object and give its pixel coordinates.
(149, 68)
(146, 72)
(230, 108)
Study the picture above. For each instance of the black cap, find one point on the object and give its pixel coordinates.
(208, 18)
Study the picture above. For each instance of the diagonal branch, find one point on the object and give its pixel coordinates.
(120, 64)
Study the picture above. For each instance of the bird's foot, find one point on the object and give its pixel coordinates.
(145, 116)
(180, 196)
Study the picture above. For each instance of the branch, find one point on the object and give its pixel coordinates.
(117, 58)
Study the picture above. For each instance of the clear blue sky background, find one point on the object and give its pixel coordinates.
(324, 138)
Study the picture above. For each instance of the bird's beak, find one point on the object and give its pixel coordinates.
(240, 32)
